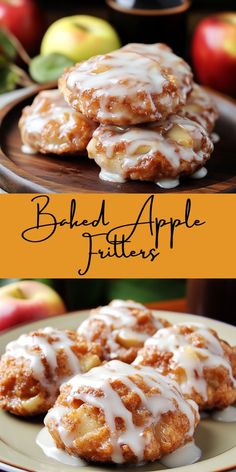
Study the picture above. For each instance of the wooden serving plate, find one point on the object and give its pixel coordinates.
(39, 174)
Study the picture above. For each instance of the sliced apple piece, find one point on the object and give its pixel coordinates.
(32, 404)
(179, 134)
(180, 375)
(173, 79)
(192, 107)
(142, 149)
(128, 338)
(85, 420)
(100, 69)
(191, 353)
(88, 361)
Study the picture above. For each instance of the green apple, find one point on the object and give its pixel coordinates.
(80, 37)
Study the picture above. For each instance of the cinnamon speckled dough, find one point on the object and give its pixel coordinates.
(178, 146)
(121, 414)
(120, 328)
(36, 364)
(200, 108)
(203, 364)
(125, 87)
(49, 125)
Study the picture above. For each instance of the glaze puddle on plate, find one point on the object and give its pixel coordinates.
(185, 455)
(228, 415)
(26, 149)
(48, 446)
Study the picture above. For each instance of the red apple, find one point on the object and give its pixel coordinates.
(28, 300)
(214, 52)
(24, 19)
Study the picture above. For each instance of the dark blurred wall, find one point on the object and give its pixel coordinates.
(89, 293)
(222, 5)
(80, 4)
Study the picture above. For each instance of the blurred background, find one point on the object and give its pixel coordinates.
(87, 293)
(30, 299)
(202, 31)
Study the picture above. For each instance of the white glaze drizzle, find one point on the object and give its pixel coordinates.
(191, 358)
(121, 74)
(118, 68)
(185, 455)
(38, 118)
(119, 317)
(100, 379)
(49, 106)
(200, 108)
(143, 143)
(175, 65)
(37, 346)
(215, 137)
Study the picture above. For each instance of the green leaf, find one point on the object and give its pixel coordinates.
(8, 77)
(48, 68)
(6, 45)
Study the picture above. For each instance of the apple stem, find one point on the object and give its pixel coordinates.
(18, 293)
(18, 46)
(23, 78)
(81, 27)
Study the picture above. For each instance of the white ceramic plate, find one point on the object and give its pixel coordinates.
(19, 452)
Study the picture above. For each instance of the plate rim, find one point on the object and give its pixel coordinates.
(15, 331)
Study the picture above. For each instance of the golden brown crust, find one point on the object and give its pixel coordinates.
(170, 149)
(88, 432)
(49, 125)
(22, 393)
(123, 88)
(220, 387)
(117, 339)
(174, 65)
(200, 108)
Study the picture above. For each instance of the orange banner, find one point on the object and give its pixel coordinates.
(113, 236)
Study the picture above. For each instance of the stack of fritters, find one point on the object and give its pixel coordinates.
(136, 110)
